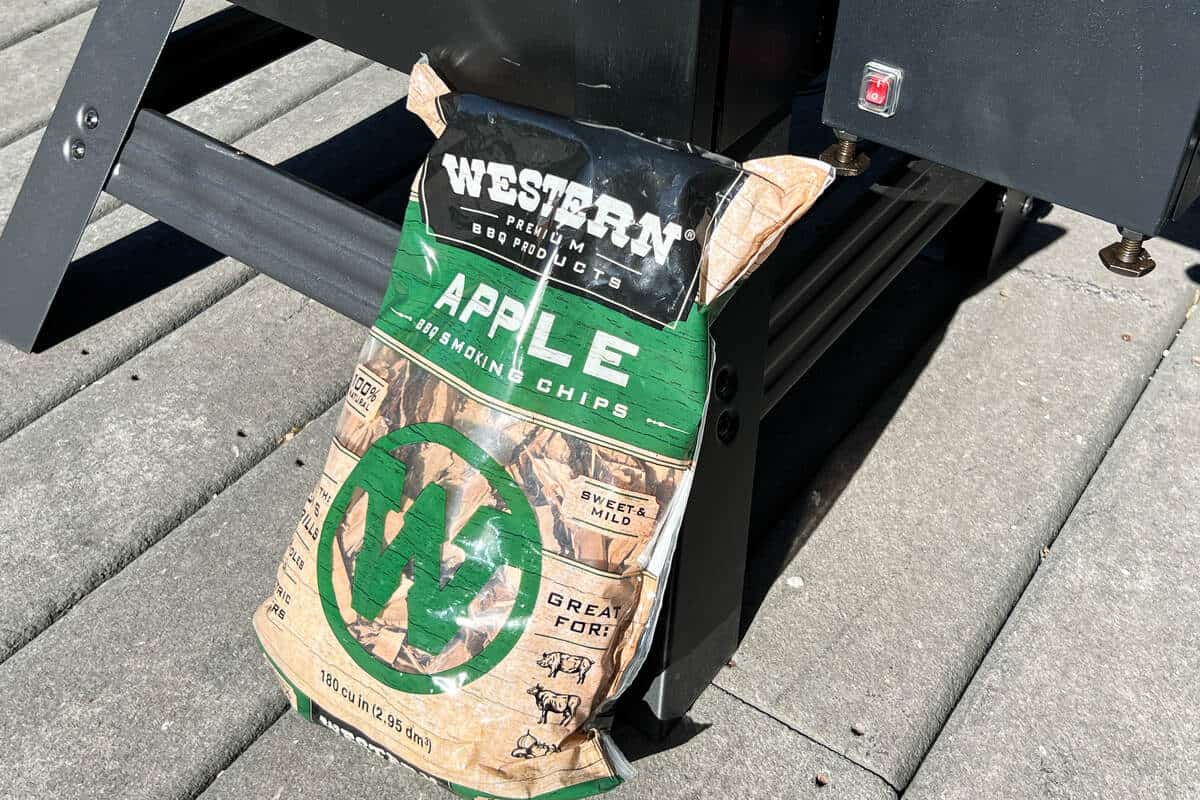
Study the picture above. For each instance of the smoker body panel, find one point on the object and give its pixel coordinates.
(1090, 105)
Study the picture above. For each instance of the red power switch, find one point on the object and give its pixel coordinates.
(877, 90)
(880, 91)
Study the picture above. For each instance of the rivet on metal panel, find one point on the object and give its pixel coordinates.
(91, 119)
(725, 383)
(727, 425)
(77, 149)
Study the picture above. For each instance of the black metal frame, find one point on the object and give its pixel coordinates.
(91, 121)
(827, 270)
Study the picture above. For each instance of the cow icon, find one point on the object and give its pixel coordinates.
(549, 702)
(566, 664)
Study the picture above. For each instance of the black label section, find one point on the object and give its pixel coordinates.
(597, 211)
(348, 731)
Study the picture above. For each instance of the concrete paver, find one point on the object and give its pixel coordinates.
(112, 470)
(154, 682)
(725, 750)
(887, 611)
(20, 19)
(1091, 689)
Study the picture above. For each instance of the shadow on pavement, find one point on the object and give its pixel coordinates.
(814, 441)
(636, 744)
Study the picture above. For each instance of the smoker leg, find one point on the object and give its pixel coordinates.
(77, 152)
(698, 630)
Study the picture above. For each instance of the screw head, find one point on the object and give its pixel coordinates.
(728, 423)
(91, 119)
(725, 383)
(78, 149)
(1112, 258)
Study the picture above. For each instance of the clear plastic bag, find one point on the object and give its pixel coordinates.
(477, 574)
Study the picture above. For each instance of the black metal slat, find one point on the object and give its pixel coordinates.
(798, 294)
(851, 275)
(839, 318)
(333, 251)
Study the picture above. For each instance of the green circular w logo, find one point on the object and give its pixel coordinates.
(436, 611)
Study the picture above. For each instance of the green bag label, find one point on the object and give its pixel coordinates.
(544, 352)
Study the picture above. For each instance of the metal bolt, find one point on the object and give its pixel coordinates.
(728, 423)
(844, 157)
(1128, 257)
(725, 384)
(91, 119)
(78, 149)
(1130, 249)
(846, 151)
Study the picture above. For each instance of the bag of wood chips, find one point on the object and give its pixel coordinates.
(477, 574)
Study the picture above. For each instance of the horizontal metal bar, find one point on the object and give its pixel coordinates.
(850, 278)
(340, 254)
(857, 235)
(333, 251)
(885, 266)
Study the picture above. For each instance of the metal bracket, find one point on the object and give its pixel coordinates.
(73, 161)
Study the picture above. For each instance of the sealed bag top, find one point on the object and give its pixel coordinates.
(626, 240)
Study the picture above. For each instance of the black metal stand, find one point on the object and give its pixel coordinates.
(125, 47)
(831, 266)
(76, 157)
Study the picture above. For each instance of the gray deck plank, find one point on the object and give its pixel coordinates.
(726, 750)
(886, 612)
(1092, 689)
(35, 69)
(30, 385)
(155, 681)
(229, 114)
(21, 19)
(104, 475)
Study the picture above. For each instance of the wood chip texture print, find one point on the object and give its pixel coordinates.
(477, 573)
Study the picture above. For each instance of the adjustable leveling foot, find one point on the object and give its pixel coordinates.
(844, 157)
(1128, 257)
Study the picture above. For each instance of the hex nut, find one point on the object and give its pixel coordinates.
(1110, 257)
